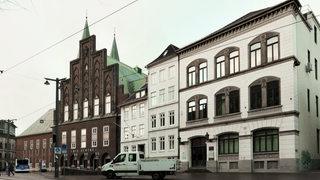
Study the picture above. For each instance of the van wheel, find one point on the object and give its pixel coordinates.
(157, 176)
(110, 175)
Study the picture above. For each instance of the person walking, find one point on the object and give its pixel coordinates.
(11, 169)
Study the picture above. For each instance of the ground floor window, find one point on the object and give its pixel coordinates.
(229, 143)
(266, 140)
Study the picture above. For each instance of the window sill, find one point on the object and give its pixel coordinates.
(266, 155)
(265, 110)
(227, 117)
(197, 122)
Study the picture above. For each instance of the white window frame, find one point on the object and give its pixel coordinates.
(108, 104)
(83, 138)
(73, 139)
(162, 143)
(106, 131)
(141, 109)
(171, 72)
(141, 130)
(171, 142)
(134, 111)
(96, 106)
(171, 93)
(94, 137)
(85, 108)
(66, 113)
(162, 94)
(64, 137)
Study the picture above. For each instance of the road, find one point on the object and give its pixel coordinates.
(184, 176)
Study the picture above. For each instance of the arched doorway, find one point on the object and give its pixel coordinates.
(93, 161)
(198, 152)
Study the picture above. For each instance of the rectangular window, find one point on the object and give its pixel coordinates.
(162, 143)
(171, 117)
(172, 71)
(273, 49)
(94, 137)
(308, 99)
(153, 99)
(126, 113)
(75, 111)
(308, 56)
(73, 139)
(171, 93)
(171, 142)
(162, 75)
(31, 144)
(162, 119)
(316, 68)
(234, 102)
(255, 97)
(191, 76)
(153, 78)
(25, 145)
(203, 72)
(153, 121)
(255, 55)
(273, 96)
(44, 143)
(125, 148)
(141, 110)
(66, 113)
(234, 62)
(133, 131)
(141, 130)
(191, 110)
(85, 109)
(64, 137)
(108, 104)
(161, 96)
(317, 106)
(134, 111)
(37, 143)
(96, 106)
(126, 133)
(153, 144)
(202, 108)
(83, 138)
(133, 148)
(220, 66)
(105, 135)
(220, 104)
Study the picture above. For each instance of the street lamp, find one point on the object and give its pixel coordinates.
(58, 81)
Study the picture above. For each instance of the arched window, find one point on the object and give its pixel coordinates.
(197, 72)
(266, 140)
(108, 104)
(85, 108)
(228, 143)
(264, 49)
(96, 106)
(197, 107)
(227, 62)
(66, 112)
(265, 92)
(227, 101)
(75, 110)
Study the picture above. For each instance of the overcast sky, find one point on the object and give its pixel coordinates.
(38, 39)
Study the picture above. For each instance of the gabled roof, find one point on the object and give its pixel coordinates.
(40, 126)
(244, 19)
(169, 52)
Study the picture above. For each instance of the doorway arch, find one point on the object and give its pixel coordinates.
(198, 152)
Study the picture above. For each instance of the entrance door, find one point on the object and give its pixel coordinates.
(199, 152)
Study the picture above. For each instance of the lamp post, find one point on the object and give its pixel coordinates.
(56, 162)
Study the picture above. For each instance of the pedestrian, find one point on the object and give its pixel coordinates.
(11, 169)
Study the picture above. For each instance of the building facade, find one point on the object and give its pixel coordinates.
(248, 94)
(90, 116)
(35, 143)
(163, 104)
(134, 122)
(7, 143)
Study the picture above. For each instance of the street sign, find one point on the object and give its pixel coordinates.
(57, 150)
(64, 149)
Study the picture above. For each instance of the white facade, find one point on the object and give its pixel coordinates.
(163, 107)
(134, 123)
(255, 118)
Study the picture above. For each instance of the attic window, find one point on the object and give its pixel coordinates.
(165, 53)
(138, 95)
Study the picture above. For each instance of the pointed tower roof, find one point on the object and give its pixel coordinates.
(114, 50)
(86, 32)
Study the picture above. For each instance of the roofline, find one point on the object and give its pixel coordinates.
(222, 31)
(159, 61)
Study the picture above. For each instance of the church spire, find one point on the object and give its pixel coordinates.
(114, 50)
(86, 32)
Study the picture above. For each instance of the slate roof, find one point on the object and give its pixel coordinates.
(40, 128)
(169, 52)
(241, 20)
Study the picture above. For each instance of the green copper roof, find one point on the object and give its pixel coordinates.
(131, 78)
(114, 50)
(86, 32)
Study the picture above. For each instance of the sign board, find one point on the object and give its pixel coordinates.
(57, 150)
(64, 149)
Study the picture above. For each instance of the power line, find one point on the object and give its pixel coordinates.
(68, 37)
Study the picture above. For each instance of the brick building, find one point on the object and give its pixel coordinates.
(35, 143)
(90, 117)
